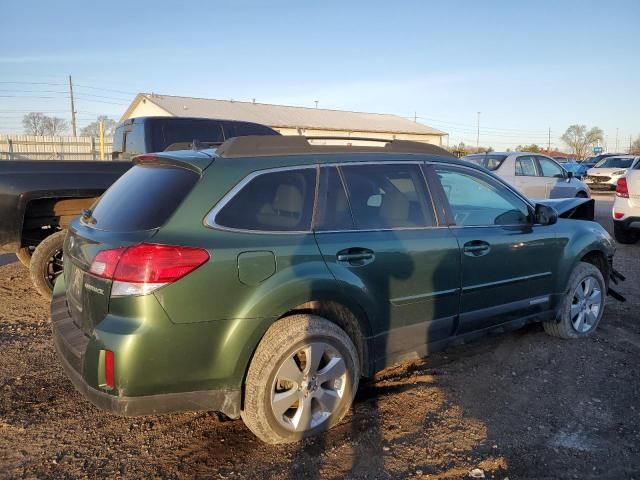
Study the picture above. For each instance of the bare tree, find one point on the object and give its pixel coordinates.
(34, 123)
(93, 129)
(579, 139)
(635, 147)
(55, 126)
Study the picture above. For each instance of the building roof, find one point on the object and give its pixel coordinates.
(282, 116)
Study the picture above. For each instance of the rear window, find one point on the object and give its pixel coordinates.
(490, 162)
(143, 198)
(179, 135)
(240, 129)
(276, 201)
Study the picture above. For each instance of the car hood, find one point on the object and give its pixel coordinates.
(603, 171)
(575, 208)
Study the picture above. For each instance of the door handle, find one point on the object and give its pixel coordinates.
(476, 248)
(355, 256)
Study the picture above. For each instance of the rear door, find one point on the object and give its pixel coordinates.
(508, 263)
(378, 233)
(527, 179)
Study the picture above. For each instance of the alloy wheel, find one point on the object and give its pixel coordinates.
(586, 304)
(308, 387)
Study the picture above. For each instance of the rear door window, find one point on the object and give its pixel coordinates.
(333, 212)
(280, 201)
(488, 161)
(143, 198)
(526, 167)
(388, 196)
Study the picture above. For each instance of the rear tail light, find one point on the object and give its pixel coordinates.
(145, 157)
(618, 215)
(143, 268)
(621, 188)
(109, 369)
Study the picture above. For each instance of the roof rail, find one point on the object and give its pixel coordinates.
(273, 145)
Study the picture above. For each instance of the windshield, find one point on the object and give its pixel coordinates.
(615, 162)
(488, 161)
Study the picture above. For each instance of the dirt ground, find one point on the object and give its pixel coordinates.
(517, 405)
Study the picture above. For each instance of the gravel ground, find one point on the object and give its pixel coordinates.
(518, 405)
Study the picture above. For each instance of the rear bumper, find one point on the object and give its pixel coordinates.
(71, 343)
(628, 223)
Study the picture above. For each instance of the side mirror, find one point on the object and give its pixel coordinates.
(545, 215)
(569, 176)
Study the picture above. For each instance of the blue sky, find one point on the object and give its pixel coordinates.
(526, 66)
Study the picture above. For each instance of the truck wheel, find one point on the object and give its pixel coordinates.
(301, 381)
(624, 235)
(24, 255)
(46, 263)
(583, 305)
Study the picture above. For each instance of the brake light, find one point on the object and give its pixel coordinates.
(143, 268)
(146, 157)
(109, 369)
(618, 215)
(621, 188)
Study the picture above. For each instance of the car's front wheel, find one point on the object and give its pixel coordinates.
(301, 381)
(583, 305)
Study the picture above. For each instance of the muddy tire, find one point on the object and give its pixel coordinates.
(46, 263)
(301, 381)
(624, 235)
(24, 255)
(583, 305)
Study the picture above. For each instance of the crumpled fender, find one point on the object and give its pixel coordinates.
(576, 208)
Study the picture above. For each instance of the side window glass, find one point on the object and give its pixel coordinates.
(478, 200)
(525, 167)
(277, 201)
(333, 212)
(134, 142)
(388, 196)
(550, 168)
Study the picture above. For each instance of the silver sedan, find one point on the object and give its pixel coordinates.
(535, 175)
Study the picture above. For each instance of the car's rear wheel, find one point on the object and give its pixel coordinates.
(46, 263)
(583, 305)
(301, 381)
(24, 255)
(582, 195)
(624, 235)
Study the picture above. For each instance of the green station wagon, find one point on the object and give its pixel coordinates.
(265, 278)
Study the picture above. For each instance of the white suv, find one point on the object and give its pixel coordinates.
(608, 171)
(626, 207)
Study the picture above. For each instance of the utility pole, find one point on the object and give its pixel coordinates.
(549, 143)
(478, 133)
(101, 128)
(630, 143)
(316, 102)
(73, 108)
(616, 140)
(415, 117)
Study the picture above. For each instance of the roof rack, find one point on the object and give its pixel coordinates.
(273, 145)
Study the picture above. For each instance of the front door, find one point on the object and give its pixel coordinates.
(507, 262)
(379, 237)
(555, 178)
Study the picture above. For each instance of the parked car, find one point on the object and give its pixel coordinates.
(535, 175)
(608, 171)
(570, 164)
(591, 162)
(626, 207)
(264, 278)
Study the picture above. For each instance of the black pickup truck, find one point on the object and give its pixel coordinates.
(39, 198)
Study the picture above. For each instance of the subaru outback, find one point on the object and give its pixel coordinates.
(263, 279)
